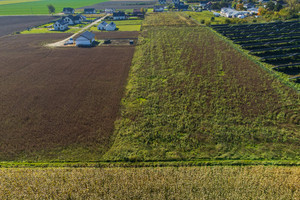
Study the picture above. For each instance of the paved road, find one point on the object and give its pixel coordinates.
(62, 42)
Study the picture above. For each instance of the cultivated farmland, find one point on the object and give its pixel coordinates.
(25, 7)
(220, 183)
(58, 103)
(191, 95)
(13, 24)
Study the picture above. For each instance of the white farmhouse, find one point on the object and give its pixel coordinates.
(60, 25)
(111, 26)
(85, 39)
(102, 25)
(73, 19)
(90, 11)
(119, 15)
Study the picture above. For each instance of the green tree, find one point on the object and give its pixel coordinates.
(270, 5)
(51, 9)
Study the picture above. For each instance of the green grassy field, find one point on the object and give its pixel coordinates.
(124, 25)
(25, 7)
(46, 30)
(206, 16)
(151, 183)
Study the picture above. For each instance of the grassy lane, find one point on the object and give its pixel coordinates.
(190, 95)
(151, 183)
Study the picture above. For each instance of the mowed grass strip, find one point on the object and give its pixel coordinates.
(40, 6)
(192, 96)
(151, 183)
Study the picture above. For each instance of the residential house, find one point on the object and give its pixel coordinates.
(158, 8)
(60, 25)
(85, 39)
(107, 27)
(68, 10)
(109, 10)
(249, 5)
(71, 20)
(102, 25)
(111, 26)
(205, 4)
(119, 15)
(232, 13)
(162, 2)
(90, 11)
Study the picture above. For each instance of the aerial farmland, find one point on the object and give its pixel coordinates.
(124, 100)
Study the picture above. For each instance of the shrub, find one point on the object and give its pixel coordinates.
(202, 21)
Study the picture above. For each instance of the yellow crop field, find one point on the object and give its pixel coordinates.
(256, 182)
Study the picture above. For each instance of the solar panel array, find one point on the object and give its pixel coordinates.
(276, 43)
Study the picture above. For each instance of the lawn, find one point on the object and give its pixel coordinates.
(206, 16)
(124, 25)
(23, 7)
(46, 30)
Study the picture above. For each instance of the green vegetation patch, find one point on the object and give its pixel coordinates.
(47, 30)
(40, 6)
(190, 95)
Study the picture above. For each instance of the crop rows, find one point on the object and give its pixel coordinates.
(275, 43)
(192, 96)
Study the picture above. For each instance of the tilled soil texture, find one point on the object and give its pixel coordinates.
(58, 103)
(11, 24)
(122, 5)
(117, 35)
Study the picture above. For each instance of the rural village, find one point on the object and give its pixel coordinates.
(149, 99)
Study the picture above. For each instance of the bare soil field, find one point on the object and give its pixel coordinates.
(58, 103)
(11, 24)
(122, 5)
(116, 35)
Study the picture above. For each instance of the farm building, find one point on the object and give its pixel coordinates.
(90, 11)
(158, 8)
(60, 25)
(119, 15)
(68, 10)
(111, 26)
(162, 2)
(73, 19)
(109, 10)
(102, 25)
(85, 39)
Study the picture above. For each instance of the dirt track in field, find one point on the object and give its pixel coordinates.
(10, 24)
(55, 98)
(123, 4)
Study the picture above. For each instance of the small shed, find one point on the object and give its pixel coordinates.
(102, 25)
(111, 26)
(85, 39)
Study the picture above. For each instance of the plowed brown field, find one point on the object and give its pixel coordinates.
(58, 101)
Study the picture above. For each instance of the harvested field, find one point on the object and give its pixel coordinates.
(60, 103)
(116, 35)
(11, 24)
(122, 5)
(205, 183)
